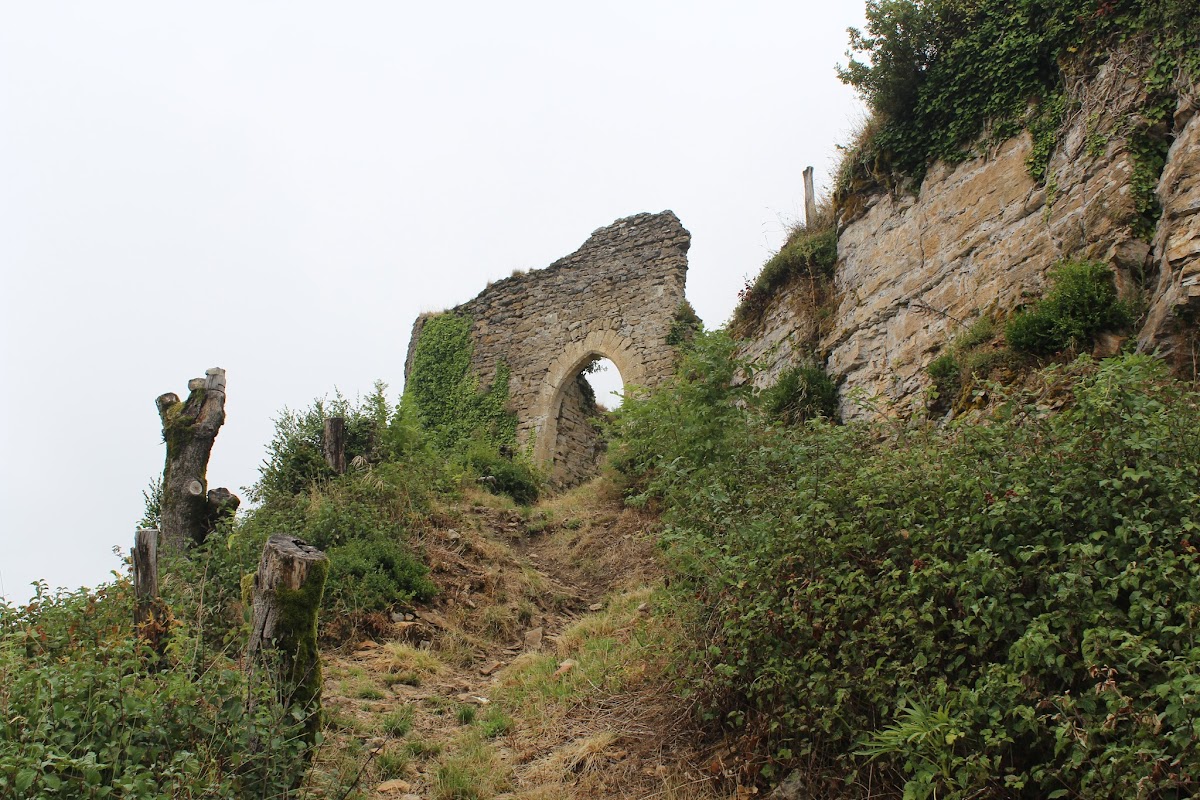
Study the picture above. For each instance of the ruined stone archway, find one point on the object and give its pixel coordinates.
(616, 297)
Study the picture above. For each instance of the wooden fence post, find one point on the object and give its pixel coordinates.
(288, 588)
(335, 443)
(810, 200)
(151, 619)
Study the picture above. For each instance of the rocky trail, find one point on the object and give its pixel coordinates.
(540, 670)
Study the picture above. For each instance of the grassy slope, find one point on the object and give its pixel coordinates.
(484, 709)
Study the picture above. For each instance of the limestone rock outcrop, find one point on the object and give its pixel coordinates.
(980, 237)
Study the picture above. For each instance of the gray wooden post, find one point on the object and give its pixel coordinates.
(335, 443)
(810, 200)
(151, 621)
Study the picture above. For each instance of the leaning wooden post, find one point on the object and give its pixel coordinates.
(151, 621)
(810, 200)
(283, 630)
(335, 443)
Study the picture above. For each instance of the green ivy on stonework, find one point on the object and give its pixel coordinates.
(446, 392)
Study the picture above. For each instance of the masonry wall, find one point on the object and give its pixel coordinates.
(614, 297)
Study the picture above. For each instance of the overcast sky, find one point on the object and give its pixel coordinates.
(279, 188)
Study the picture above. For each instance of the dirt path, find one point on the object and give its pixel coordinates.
(539, 672)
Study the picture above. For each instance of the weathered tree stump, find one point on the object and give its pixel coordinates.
(189, 428)
(334, 442)
(283, 630)
(151, 617)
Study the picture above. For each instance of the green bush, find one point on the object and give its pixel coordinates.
(684, 325)
(295, 455)
(500, 474)
(801, 393)
(1004, 610)
(83, 715)
(946, 373)
(1082, 303)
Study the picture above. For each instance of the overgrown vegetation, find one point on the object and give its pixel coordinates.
(1081, 303)
(939, 73)
(1002, 609)
(802, 393)
(476, 427)
(809, 254)
(84, 713)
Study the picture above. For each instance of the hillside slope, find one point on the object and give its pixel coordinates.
(540, 671)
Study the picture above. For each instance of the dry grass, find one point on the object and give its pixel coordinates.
(590, 714)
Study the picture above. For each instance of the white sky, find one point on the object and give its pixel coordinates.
(279, 188)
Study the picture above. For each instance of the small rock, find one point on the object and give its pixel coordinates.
(533, 639)
(397, 785)
(453, 536)
(643, 608)
(596, 607)
(410, 797)
(409, 617)
(470, 603)
(565, 667)
(490, 668)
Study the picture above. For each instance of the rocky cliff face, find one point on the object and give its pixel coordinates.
(980, 238)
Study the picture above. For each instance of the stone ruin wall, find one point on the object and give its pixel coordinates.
(615, 297)
(981, 237)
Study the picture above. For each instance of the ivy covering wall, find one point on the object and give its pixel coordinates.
(446, 393)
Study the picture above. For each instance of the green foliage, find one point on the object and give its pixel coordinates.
(84, 715)
(1082, 303)
(295, 456)
(445, 391)
(500, 474)
(684, 325)
(939, 72)
(801, 393)
(806, 253)
(946, 373)
(361, 520)
(1005, 609)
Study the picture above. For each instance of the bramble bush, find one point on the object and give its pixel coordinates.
(84, 715)
(1005, 608)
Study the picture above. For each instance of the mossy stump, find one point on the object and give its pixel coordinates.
(288, 588)
(189, 511)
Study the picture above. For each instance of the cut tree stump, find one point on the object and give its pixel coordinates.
(283, 630)
(151, 618)
(187, 513)
(335, 443)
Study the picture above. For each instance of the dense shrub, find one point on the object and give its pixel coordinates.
(510, 475)
(801, 393)
(1082, 303)
(1003, 609)
(83, 715)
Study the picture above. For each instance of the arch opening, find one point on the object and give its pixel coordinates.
(572, 442)
(606, 383)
